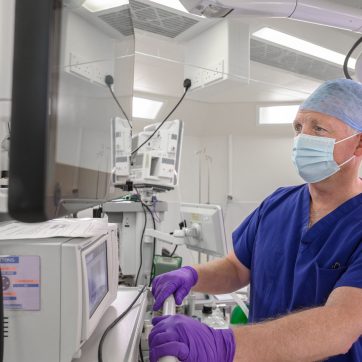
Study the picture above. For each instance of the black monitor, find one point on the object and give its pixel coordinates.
(63, 149)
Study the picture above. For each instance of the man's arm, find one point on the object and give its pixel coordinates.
(221, 276)
(310, 335)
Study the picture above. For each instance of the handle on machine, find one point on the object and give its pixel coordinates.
(169, 308)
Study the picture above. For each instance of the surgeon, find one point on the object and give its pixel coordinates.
(300, 250)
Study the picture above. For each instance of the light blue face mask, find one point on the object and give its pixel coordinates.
(313, 157)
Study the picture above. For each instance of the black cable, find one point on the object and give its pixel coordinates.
(141, 246)
(346, 59)
(154, 239)
(173, 252)
(2, 321)
(109, 81)
(141, 353)
(100, 346)
(187, 85)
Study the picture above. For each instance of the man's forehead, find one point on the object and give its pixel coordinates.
(332, 123)
(311, 116)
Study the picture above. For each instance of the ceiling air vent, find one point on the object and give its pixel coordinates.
(148, 18)
(293, 61)
(119, 20)
(159, 21)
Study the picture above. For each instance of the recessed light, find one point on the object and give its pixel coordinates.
(145, 108)
(99, 5)
(303, 46)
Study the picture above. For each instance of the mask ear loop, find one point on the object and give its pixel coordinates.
(351, 158)
(343, 163)
(347, 138)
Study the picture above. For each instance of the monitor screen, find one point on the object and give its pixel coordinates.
(97, 274)
(205, 231)
(67, 131)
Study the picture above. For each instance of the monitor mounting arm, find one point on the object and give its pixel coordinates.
(178, 237)
(165, 237)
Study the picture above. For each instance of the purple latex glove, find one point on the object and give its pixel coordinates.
(189, 340)
(178, 282)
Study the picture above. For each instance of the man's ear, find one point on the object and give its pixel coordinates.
(358, 151)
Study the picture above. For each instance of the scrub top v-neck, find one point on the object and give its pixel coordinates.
(294, 266)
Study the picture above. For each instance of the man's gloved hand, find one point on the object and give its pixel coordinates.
(189, 340)
(178, 282)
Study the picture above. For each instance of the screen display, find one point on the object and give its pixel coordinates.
(97, 273)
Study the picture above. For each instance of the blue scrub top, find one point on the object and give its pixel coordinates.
(293, 266)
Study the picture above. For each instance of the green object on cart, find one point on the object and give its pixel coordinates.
(238, 316)
(164, 264)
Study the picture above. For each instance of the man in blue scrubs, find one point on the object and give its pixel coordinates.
(300, 250)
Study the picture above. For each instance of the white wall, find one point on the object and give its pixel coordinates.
(261, 162)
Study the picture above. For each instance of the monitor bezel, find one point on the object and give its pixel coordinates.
(39, 184)
(36, 53)
(191, 242)
(90, 322)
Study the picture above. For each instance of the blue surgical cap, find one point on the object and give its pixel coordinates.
(340, 98)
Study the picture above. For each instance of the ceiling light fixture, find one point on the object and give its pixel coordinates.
(99, 5)
(303, 46)
(145, 108)
(174, 4)
(278, 114)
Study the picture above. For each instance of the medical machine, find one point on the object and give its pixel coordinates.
(130, 218)
(156, 164)
(204, 228)
(69, 146)
(56, 291)
(121, 150)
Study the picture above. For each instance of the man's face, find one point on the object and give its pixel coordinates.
(322, 125)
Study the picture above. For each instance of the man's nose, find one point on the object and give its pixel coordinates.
(307, 130)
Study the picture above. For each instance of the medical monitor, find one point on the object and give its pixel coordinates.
(67, 131)
(97, 276)
(71, 282)
(100, 282)
(204, 229)
(156, 165)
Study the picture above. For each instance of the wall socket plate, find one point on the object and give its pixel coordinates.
(80, 66)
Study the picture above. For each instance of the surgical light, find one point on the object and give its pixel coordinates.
(99, 5)
(145, 108)
(303, 46)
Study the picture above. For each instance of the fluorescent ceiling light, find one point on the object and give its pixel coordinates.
(145, 108)
(99, 5)
(303, 46)
(174, 4)
(277, 114)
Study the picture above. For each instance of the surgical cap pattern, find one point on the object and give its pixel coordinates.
(340, 98)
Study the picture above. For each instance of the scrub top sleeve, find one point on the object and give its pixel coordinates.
(352, 277)
(244, 236)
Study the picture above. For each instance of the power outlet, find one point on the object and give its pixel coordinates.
(99, 75)
(80, 66)
(197, 78)
(214, 73)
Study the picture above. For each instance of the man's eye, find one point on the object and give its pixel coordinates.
(297, 127)
(319, 129)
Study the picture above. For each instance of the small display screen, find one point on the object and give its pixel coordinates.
(97, 272)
